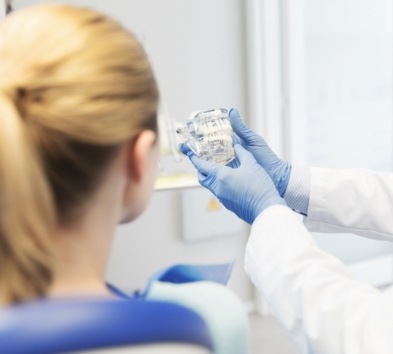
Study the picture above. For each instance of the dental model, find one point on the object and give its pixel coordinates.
(209, 135)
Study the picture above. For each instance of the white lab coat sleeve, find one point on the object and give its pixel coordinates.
(357, 201)
(311, 292)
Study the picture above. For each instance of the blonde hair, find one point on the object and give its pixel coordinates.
(74, 85)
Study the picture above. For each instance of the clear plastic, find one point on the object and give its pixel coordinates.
(209, 135)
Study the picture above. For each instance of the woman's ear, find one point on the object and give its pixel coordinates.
(139, 164)
(139, 154)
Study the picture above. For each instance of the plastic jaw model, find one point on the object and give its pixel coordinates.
(209, 135)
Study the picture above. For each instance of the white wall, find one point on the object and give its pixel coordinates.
(197, 50)
(348, 102)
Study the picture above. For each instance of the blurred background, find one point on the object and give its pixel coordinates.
(314, 77)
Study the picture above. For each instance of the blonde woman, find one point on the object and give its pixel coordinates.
(78, 155)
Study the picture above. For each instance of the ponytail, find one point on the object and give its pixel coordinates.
(64, 115)
(27, 216)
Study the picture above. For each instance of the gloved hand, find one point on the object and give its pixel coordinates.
(278, 170)
(246, 190)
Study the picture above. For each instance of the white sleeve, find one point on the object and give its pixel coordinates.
(357, 201)
(311, 292)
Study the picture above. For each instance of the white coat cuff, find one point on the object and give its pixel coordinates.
(297, 195)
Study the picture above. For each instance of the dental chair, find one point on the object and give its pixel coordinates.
(87, 326)
(183, 309)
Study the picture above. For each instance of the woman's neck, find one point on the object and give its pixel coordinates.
(82, 250)
(81, 258)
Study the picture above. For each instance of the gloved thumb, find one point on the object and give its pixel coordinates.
(239, 127)
(244, 156)
(204, 167)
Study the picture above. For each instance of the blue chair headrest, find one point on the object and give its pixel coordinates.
(55, 326)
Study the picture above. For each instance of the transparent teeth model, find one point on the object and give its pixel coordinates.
(209, 135)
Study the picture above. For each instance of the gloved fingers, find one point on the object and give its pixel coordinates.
(204, 167)
(234, 163)
(184, 148)
(207, 172)
(205, 180)
(245, 157)
(201, 178)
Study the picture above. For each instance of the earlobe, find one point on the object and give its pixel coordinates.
(139, 154)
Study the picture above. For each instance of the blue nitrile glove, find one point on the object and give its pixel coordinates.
(246, 190)
(278, 170)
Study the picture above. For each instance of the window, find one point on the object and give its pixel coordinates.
(327, 99)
